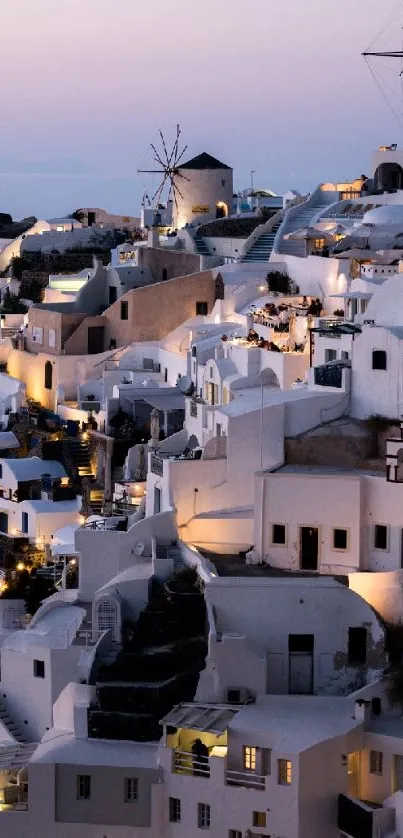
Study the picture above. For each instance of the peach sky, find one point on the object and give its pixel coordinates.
(274, 85)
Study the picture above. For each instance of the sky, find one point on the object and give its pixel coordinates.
(277, 86)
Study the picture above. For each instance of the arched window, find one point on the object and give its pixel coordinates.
(107, 617)
(48, 375)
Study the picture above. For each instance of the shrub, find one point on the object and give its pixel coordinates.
(278, 283)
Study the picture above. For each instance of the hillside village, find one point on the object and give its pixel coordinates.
(201, 530)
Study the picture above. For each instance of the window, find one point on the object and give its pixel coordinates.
(164, 274)
(24, 522)
(318, 244)
(1, 471)
(203, 816)
(379, 359)
(107, 615)
(52, 339)
(278, 534)
(37, 334)
(259, 819)
(330, 355)
(340, 539)
(48, 375)
(344, 355)
(39, 669)
(375, 762)
(174, 809)
(357, 645)
(201, 308)
(83, 786)
(124, 310)
(380, 537)
(131, 789)
(284, 772)
(249, 758)
(112, 343)
(235, 833)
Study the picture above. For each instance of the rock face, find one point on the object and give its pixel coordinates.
(344, 443)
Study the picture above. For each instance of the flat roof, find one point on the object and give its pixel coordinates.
(294, 723)
(32, 468)
(55, 630)
(325, 471)
(64, 748)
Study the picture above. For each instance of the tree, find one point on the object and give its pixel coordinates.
(11, 304)
(278, 283)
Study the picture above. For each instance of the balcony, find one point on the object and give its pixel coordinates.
(185, 762)
(355, 819)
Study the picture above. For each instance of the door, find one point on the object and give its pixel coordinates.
(300, 664)
(353, 768)
(398, 774)
(157, 500)
(113, 294)
(309, 548)
(95, 340)
(3, 522)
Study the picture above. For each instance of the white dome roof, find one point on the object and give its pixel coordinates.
(386, 305)
(387, 215)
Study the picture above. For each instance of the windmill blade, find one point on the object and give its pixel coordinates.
(157, 157)
(180, 156)
(164, 146)
(176, 188)
(149, 171)
(175, 198)
(179, 174)
(176, 146)
(160, 188)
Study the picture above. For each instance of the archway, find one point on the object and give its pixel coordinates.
(221, 210)
(388, 177)
(48, 375)
(193, 442)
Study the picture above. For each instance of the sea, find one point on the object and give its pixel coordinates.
(54, 195)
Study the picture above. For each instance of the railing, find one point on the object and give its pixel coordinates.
(329, 376)
(16, 756)
(246, 779)
(184, 762)
(157, 465)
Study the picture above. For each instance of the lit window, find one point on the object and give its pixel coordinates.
(174, 810)
(339, 539)
(259, 819)
(375, 762)
(131, 789)
(380, 537)
(249, 758)
(203, 816)
(278, 533)
(318, 244)
(83, 786)
(284, 772)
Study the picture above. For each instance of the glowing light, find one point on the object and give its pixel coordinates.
(85, 436)
(73, 562)
(14, 531)
(217, 319)
(262, 288)
(20, 566)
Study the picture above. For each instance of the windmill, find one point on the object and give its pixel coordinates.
(385, 62)
(168, 168)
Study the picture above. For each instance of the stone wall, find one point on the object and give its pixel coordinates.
(174, 262)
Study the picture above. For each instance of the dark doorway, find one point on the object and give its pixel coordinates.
(157, 500)
(300, 664)
(113, 294)
(388, 177)
(309, 546)
(91, 218)
(3, 522)
(95, 339)
(48, 375)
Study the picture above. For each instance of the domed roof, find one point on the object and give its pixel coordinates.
(386, 305)
(387, 215)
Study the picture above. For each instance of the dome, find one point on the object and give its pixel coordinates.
(386, 215)
(386, 305)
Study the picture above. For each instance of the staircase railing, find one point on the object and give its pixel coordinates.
(259, 231)
(294, 209)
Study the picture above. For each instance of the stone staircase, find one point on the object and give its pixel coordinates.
(200, 245)
(304, 217)
(13, 728)
(79, 458)
(262, 247)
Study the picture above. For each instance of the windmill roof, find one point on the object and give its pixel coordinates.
(203, 161)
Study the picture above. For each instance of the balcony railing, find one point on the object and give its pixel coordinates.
(246, 779)
(355, 818)
(157, 465)
(329, 376)
(185, 762)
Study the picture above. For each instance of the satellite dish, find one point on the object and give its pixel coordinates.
(185, 385)
(139, 548)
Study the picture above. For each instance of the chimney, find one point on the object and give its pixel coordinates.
(153, 237)
(362, 711)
